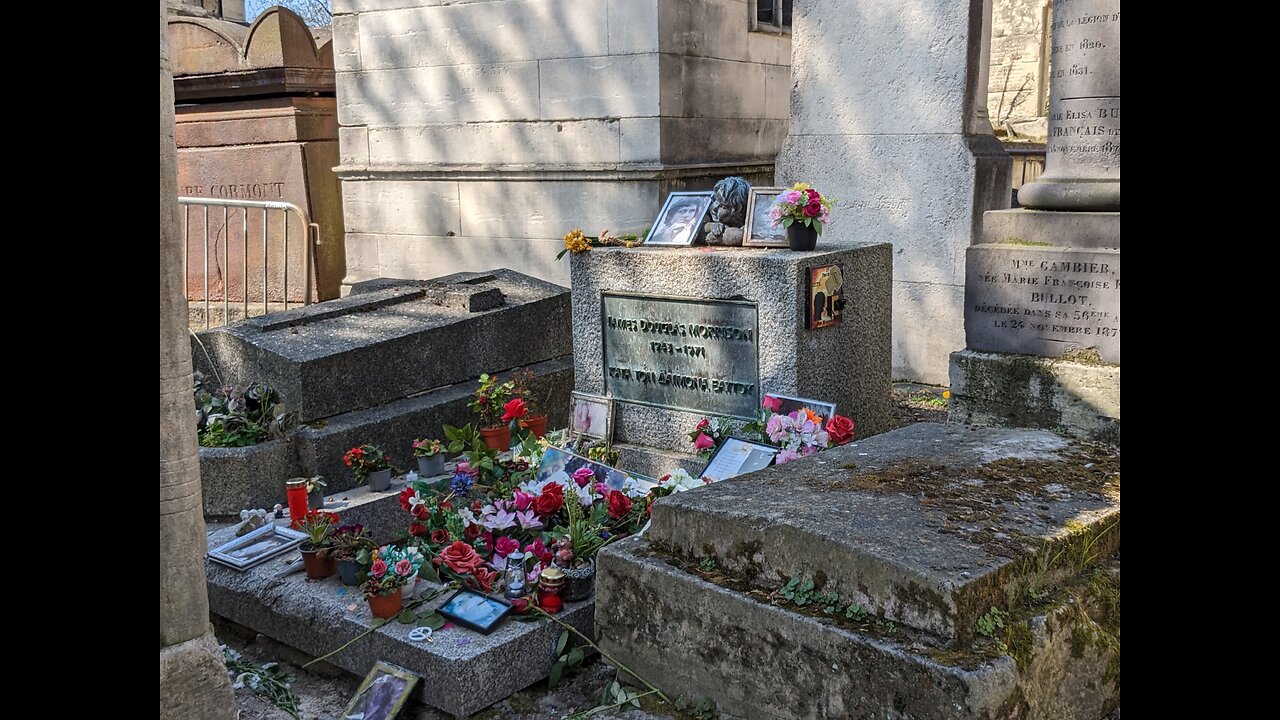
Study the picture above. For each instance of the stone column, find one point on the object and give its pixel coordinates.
(1082, 166)
(193, 679)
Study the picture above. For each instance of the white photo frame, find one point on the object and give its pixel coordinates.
(679, 223)
(591, 415)
(758, 231)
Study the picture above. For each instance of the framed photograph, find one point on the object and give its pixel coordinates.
(759, 230)
(681, 219)
(591, 415)
(737, 457)
(559, 465)
(825, 410)
(474, 610)
(257, 547)
(826, 296)
(382, 694)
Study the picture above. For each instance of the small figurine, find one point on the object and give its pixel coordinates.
(728, 212)
(279, 511)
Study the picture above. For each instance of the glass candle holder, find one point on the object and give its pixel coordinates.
(550, 584)
(515, 581)
(296, 492)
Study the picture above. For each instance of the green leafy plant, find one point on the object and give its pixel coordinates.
(427, 447)
(366, 459)
(991, 625)
(707, 564)
(798, 592)
(567, 659)
(468, 441)
(240, 415)
(603, 454)
(264, 680)
(318, 526)
(489, 399)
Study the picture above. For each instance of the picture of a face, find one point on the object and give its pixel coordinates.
(680, 222)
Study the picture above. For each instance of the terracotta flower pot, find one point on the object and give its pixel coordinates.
(537, 425)
(318, 563)
(385, 606)
(497, 438)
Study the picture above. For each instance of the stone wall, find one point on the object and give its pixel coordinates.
(1018, 86)
(476, 134)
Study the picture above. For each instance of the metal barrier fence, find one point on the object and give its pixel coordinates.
(285, 209)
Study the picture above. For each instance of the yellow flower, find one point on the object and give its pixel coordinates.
(801, 186)
(946, 394)
(576, 242)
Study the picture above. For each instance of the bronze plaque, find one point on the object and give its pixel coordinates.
(690, 354)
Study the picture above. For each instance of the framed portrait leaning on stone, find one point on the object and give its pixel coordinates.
(681, 219)
(759, 230)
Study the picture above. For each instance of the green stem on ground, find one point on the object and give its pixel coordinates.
(415, 604)
(605, 655)
(602, 708)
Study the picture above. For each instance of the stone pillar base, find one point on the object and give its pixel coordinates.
(1074, 396)
(194, 683)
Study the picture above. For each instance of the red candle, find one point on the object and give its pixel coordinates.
(296, 491)
(550, 583)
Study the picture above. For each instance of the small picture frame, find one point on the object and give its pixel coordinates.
(759, 230)
(256, 547)
(475, 610)
(825, 306)
(825, 410)
(382, 694)
(680, 221)
(559, 464)
(591, 415)
(736, 456)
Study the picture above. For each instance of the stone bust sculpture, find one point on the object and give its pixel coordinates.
(728, 212)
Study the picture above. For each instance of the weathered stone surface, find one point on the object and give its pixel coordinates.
(193, 682)
(1086, 230)
(656, 463)
(1082, 160)
(395, 425)
(318, 356)
(792, 359)
(908, 152)
(462, 671)
(918, 525)
(1079, 398)
(1048, 301)
(235, 479)
(757, 660)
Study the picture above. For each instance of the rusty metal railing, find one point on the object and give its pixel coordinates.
(312, 232)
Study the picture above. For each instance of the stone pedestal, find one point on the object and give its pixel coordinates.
(258, 121)
(1082, 161)
(888, 115)
(676, 334)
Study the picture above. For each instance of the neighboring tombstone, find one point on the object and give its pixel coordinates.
(888, 115)
(257, 120)
(1042, 300)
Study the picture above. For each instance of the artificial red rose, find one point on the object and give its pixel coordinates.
(439, 536)
(548, 502)
(813, 209)
(704, 442)
(840, 429)
(484, 578)
(619, 505)
(461, 558)
(540, 551)
(471, 532)
(772, 404)
(514, 410)
(519, 605)
(418, 529)
(505, 546)
(420, 511)
(813, 195)
(523, 500)
(583, 476)
(702, 424)
(405, 496)
(488, 542)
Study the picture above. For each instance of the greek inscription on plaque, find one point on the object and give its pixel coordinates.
(682, 353)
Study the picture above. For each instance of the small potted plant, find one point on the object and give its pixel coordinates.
(371, 463)
(489, 400)
(576, 552)
(318, 526)
(430, 454)
(534, 407)
(803, 212)
(315, 492)
(352, 545)
(390, 569)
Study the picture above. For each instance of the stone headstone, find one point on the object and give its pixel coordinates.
(888, 115)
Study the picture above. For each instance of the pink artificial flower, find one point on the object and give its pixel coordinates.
(538, 550)
(704, 442)
(791, 196)
(583, 476)
(528, 520)
(786, 456)
(379, 568)
(404, 568)
(505, 546)
(463, 467)
(702, 424)
(601, 489)
(523, 500)
(772, 404)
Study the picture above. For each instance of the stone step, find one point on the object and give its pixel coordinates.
(694, 638)
(234, 479)
(392, 338)
(462, 671)
(654, 463)
(928, 526)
